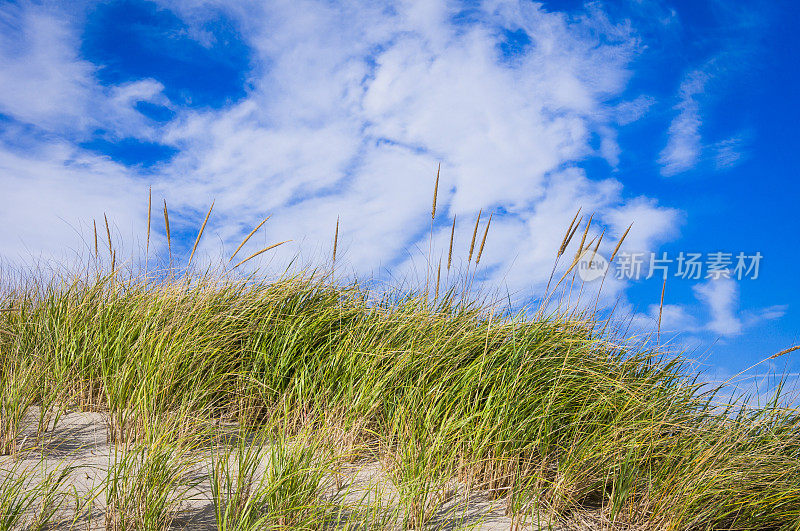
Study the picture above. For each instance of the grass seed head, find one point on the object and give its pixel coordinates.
(474, 235)
(200, 234)
(619, 243)
(583, 239)
(452, 236)
(108, 234)
(96, 250)
(567, 235)
(483, 241)
(166, 227)
(149, 212)
(248, 237)
(435, 192)
(264, 250)
(336, 239)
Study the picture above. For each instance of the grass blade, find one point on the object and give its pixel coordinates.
(200, 234)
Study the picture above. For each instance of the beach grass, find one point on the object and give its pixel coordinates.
(552, 413)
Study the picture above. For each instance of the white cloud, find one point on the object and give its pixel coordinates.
(45, 83)
(651, 224)
(42, 80)
(718, 316)
(332, 133)
(687, 147)
(684, 143)
(51, 196)
(630, 111)
(349, 110)
(675, 318)
(721, 296)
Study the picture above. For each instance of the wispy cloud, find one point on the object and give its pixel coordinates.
(684, 142)
(718, 315)
(686, 148)
(693, 139)
(45, 83)
(42, 80)
(722, 299)
(729, 152)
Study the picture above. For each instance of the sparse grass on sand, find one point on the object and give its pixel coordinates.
(265, 397)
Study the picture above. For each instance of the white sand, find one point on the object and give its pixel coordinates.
(80, 440)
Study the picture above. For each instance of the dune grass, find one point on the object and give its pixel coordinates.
(547, 411)
(555, 414)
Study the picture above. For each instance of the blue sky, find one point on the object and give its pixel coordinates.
(677, 116)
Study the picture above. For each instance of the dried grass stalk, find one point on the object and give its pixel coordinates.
(248, 237)
(661, 310)
(200, 234)
(438, 277)
(166, 226)
(264, 250)
(108, 234)
(571, 235)
(474, 234)
(583, 239)
(96, 250)
(567, 236)
(619, 243)
(784, 352)
(450, 252)
(597, 245)
(435, 192)
(483, 241)
(149, 212)
(336, 239)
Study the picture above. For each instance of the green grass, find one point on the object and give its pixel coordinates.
(267, 482)
(546, 411)
(30, 497)
(146, 482)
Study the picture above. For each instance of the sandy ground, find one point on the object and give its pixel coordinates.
(80, 441)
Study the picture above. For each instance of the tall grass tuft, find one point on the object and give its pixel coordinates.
(145, 485)
(267, 482)
(30, 499)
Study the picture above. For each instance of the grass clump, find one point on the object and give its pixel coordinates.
(146, 483)
(269, 482)
(30, 497)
